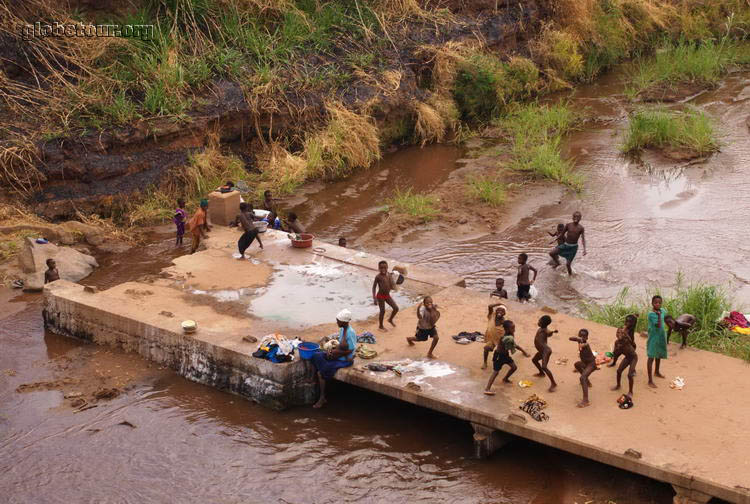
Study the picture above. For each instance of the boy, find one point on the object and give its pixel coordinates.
(585, 366)
(569, 248)
(180, 216)
(682, 325)
(502, 356)
(198, 225)
(245, 219)
(384, 285)
(559, 235)
(270, 204)
(625, 345)
(293, 225)
(342, 242)
(656, 346)
(522, 278)
(51, 274)
(495, 331)
(499, 291)
(543, 351)
(428, 316)
(627, 332)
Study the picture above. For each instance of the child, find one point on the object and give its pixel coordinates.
(502, 356)
(543, 351)
(342, 242)
(180, 216)
(559, 234)
(270, 204)
(384, 285)
(682, 325)
(428, 316)
(51, 274)
(198, 225)
(495, 331)
(245, 219)
(623, 333)
(625, 345)
(585, 366)
(499, 291)
(656, 347)
(292, 224)
(522, 278)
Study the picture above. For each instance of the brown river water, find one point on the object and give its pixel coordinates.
(184, 442)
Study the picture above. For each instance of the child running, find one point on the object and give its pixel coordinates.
(656, 346)
(681, 325)
(499, 291)
(245, 219)
(502, 356)
(384, 286)
(543, 351)
(585, 366)
(495, 331)
(625, 345)
(180, 216)
(428, 315)
(522, 279)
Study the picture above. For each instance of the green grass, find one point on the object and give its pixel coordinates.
(418, 205)
(535, 134)
(691, 129)
(706, 302)
(487, 189)
(687, 62)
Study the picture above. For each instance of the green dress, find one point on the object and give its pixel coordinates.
(656, 348)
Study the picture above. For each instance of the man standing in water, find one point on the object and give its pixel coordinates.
(569, 248)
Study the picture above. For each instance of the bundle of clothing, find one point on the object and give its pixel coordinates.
(736, 322)
(464, 337)
(534, 406)
(276, 348)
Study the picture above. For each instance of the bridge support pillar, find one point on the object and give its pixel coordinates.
(689, 496)
(488, 440)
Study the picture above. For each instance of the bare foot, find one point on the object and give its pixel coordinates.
(583, 404)
(611, 364)
(319, 404)
(507, 381)
(241, 258)
(484, 366)
(409, 341)
(652, 384)
(659, 375)
(683, 347)
(391, 322)
(489, 392)
(616, 387)
(383, 329)
(540, 374)
(552, 387)
(431, 356)
(590, 384)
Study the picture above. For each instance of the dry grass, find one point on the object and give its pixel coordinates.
(430, 126)
(18, 159)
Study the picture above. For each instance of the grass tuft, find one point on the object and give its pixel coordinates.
(487, 189)
(407, 202)
(661, 128)
(706, 302)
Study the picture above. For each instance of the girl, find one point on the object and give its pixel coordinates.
(656, 347)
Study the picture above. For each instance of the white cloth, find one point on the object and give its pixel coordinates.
(344, 316)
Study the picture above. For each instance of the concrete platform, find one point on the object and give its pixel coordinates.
(694, 439)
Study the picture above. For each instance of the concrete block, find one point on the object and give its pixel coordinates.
(223, 207)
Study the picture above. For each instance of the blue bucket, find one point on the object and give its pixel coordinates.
(307, 349)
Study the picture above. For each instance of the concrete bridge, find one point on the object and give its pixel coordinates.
(694, 439)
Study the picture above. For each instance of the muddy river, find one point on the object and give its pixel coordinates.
(165, 439)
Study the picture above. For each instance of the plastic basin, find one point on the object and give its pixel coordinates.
(305, 241)
(307, 349)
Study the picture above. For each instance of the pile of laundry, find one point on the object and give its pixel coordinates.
(366, 337)
(464, 338)
(276, 348)
(534, 406)
(736, 322)
(400, 368)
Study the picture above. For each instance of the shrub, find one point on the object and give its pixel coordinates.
(660, 128)
(487, 189)
(414, 204)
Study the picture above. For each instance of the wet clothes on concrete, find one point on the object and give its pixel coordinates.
(471, 336)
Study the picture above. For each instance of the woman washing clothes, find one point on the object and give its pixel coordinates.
(341, 356)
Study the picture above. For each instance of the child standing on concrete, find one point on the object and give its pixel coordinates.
(656, 347)
(384, 285)
(502, 355)
(543, 350)
(180, 216)
(585, 366)
(428, 315)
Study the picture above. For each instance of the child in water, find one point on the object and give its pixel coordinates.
(559, 234)
(499, 291)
